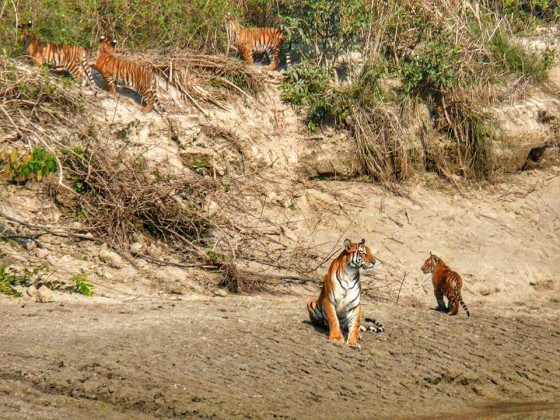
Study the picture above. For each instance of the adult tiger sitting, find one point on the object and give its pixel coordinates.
(338, 305)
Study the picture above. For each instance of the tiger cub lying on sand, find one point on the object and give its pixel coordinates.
(338, 305)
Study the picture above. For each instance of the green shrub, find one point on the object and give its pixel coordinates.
(82, 284)
(434, 69)
(8, 280)
(517, 59)
(37, 165)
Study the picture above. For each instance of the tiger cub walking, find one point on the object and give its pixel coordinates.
(338, 305)
(69, 58)
(115, 70)
(251, 41)
(446, 282)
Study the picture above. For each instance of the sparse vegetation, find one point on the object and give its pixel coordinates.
(366, 67)
(82, 284)
(453, 60)
(10, 278)
(119, 198)
(23, 168)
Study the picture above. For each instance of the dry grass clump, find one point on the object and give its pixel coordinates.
(35, 103)
(118, 196)
(241, 281)
(381, 146)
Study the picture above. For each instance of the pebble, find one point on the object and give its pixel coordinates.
(44, 295)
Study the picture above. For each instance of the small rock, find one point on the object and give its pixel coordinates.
(32, 291)
(112, 259)
(41, 252)
(105, 274)
(220, 292)
(212, 208)
(322, 202)
(135, 248)
(44, 295)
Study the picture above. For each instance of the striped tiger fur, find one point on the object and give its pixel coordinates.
(250, 41)
(133, 75)
(338, 305)
(446, 282)
(62, 57)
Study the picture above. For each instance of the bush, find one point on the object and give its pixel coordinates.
(517, 59)
(34, 166)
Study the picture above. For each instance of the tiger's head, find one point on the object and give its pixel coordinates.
(361, 255)
(231, 26)
(430, 264)
(27, 33)
(107, 44)
(26, 25)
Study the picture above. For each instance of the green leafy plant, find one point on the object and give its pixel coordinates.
(82, 284)
(37, 165)
(9, 279)
(548, 10)
(330, 27)
(200, 166)
(433, 69)
(517, 59)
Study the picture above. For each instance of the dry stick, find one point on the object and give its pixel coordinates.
(402, 282)
(174, 264)
(287, 277)
(184, 91)
(234, 86)
(49, 229)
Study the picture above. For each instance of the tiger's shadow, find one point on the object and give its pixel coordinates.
(323, 329)
(319, 328)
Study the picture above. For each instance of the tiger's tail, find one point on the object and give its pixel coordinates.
(377, 327)
(157, 104)
(288, 59)
(289, 55)
(87, 70)
(460, 299)
(316, 315)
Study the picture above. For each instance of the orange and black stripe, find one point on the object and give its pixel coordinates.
(251, 41)
(133, 75)
(446, 283)
(62, 57)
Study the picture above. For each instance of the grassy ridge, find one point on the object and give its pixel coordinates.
(453, 57)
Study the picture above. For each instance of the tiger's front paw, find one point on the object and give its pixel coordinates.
(354, 344)
(337, 338)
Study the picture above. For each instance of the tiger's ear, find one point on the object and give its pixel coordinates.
(114, 42)
(29, 24)
(102, 38)
(435, 258)
(347, 245)
(363, 241)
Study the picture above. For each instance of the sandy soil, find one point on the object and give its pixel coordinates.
(257, 357)
(152, 343)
